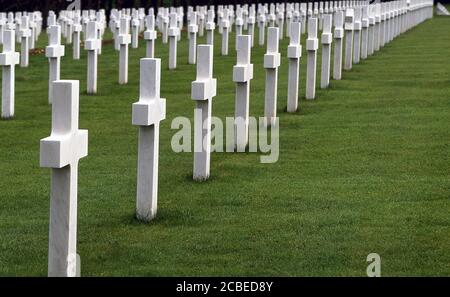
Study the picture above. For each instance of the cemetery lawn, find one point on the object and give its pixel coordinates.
(362, 169)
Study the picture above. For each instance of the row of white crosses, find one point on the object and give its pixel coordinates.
(378, 24)
(74, 23)
(27, 28)
(67, 144)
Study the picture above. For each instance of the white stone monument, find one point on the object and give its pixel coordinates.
(54, 51)
(135, 32)
(294, 53)
(376, 41)
(150, 36)
(357, 36)
(251, 24)
(272, 61)
(8, 60)
(203, 90)
(76, 38)
(192, 29)
(242, 74)
(210, 27)
(92, 45)
(61, 151)
(338, 36)
(174, 31)
(327, 39)
(364, 32)
(165, 27)
(312, 44)
(280, 23)
(124, 39)
(262, 29)
(148, 112)
(225, 32)
(349, 18)
(239, 27)
(371, 31)
(25, 34)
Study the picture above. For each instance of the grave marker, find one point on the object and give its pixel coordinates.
(76, 38)
(135, 32)
(272, 61)
(124, 39)
(262, 28)
(210, 27)
(371, 33)
(25, 34)
(349, 18)
(174, 31)
(150, 36)
(92, 45)
(61, 151)
(327, 39)
(338, 36)
(225, 32)
(364, 32)
(148, 112)
(251, 25)
(203, 90)
(294, 53)
(54, 51)
(312, 44)
(192, 29)
(242, 74)
(8, 60)
(357, 36)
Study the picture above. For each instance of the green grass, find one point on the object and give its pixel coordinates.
(364, 168)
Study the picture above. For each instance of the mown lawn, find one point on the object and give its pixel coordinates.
(364, 168)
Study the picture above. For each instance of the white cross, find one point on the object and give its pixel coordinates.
(76, 29)
(225, 23)
(280, 23)
(210, 27)
(294, 52)
(251, 24)
(357, 35)
(25, 35)
(338, 36)
(203, 90)
(147, 114)
(262, 28)
(150, 35)
(61, 151)
(2, 27)
(54, 51)
(377, 27)
(8, 59)
(92, 45)
(327, 39)
(174, 31)
(312, 44)
(192, 29)
(348, 26)
(242, 74)
(383, 24)
(165, 25)
(371, 33)
(135, 31)
(239, 26)
(272, 61)
(124, 40)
